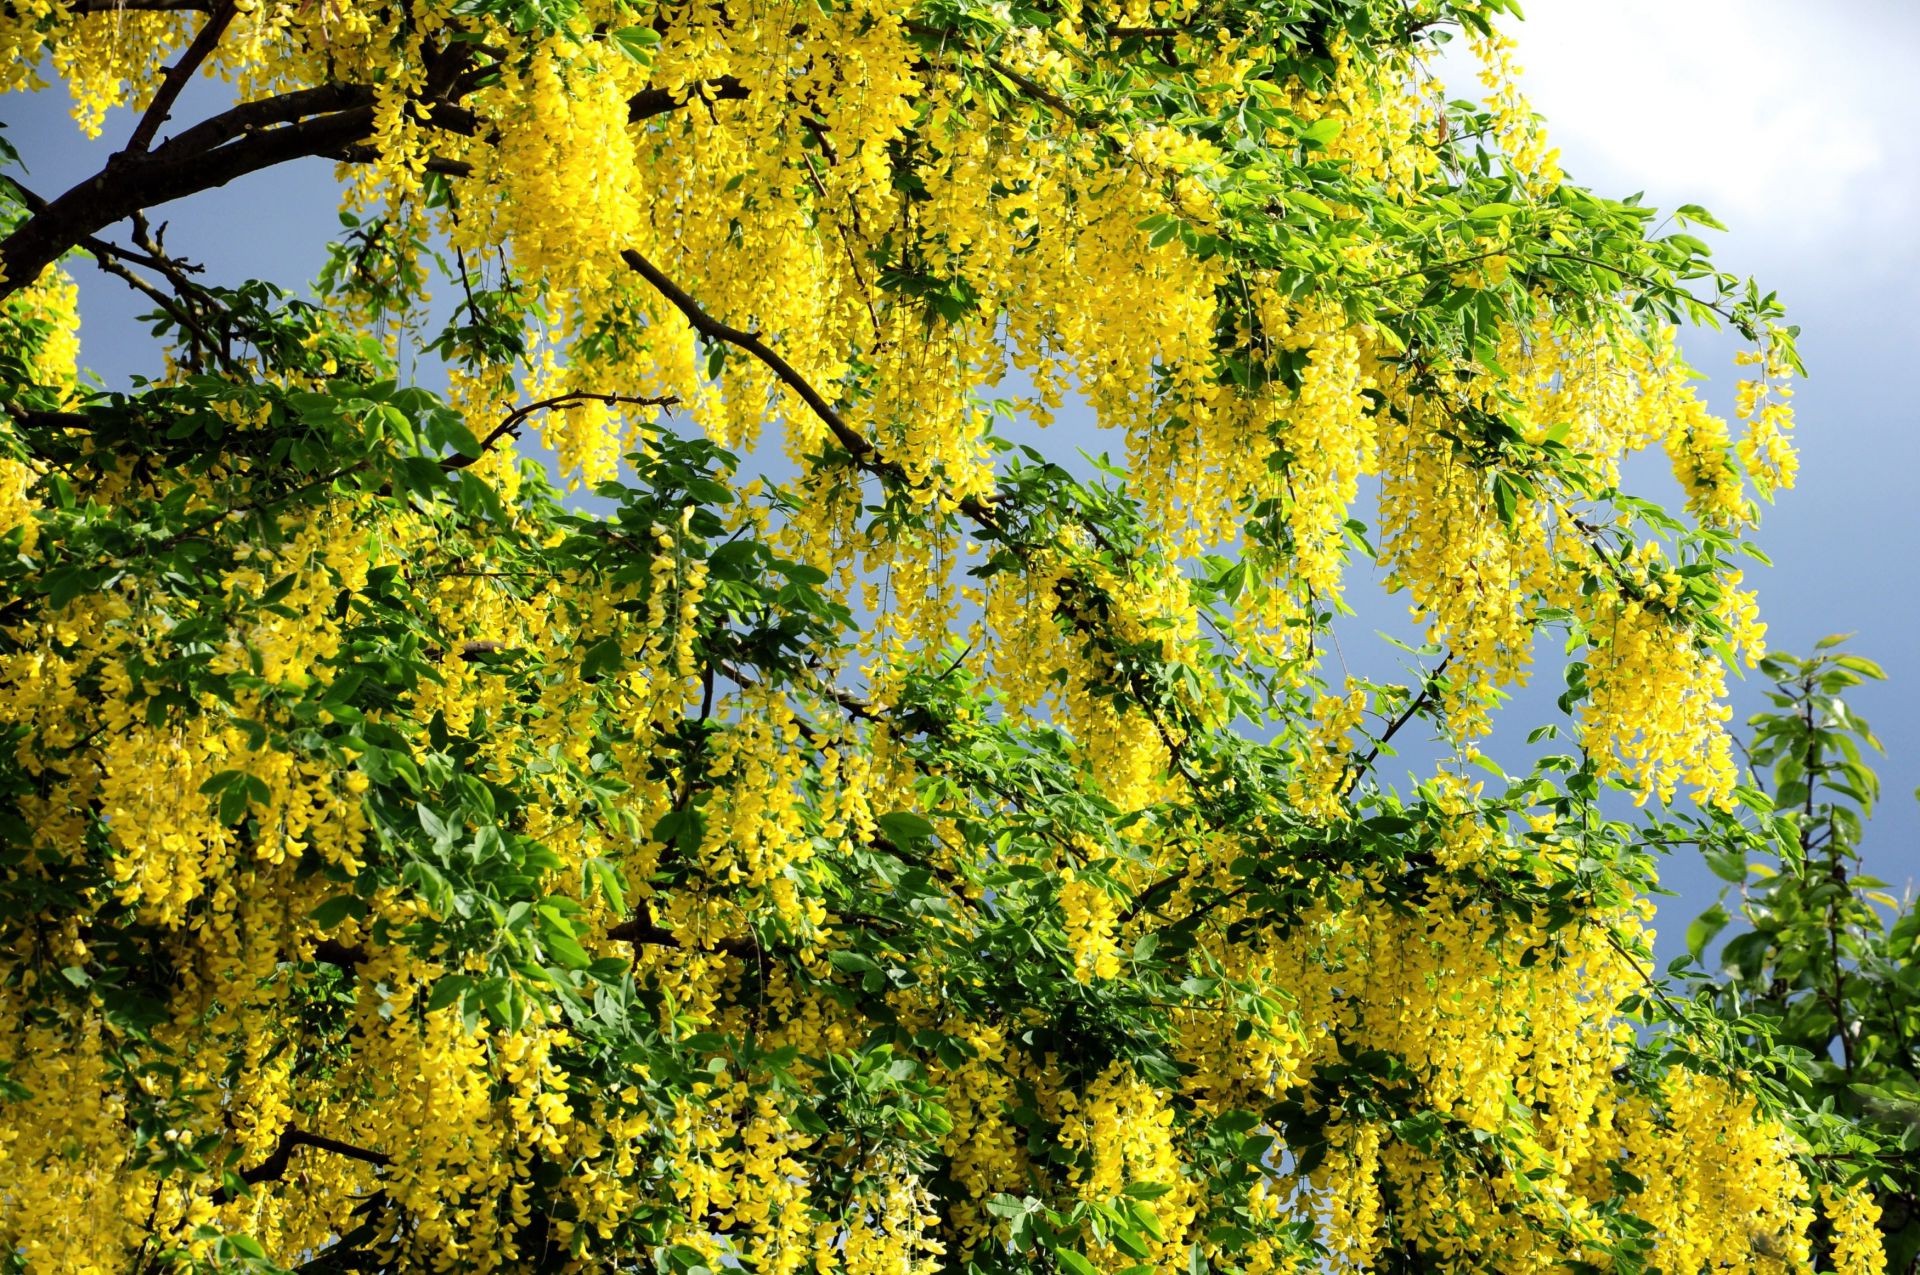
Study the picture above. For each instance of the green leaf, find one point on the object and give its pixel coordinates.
(448, 989)
(1007, 1206)
(1492, 212)
(565, 949)
(602, 658)
(1505, 498)
(905, 828)
(235, 801)
(1864, 667)
(247, 1246)
(337, 909)
(603, 876)
(1698, 215)
(1704, 927)
(1728, 865)
(637, 43)
(222, 780)
(1074, 1262)
(1321, 131)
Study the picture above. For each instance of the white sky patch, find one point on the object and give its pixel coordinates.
(1793, 123)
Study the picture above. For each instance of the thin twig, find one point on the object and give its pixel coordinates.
(864, 454)
(197, 335)
(518, 417)
(1427, 687)
(713, 329)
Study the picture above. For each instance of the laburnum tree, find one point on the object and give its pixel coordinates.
(1824, 974)
(924, 855)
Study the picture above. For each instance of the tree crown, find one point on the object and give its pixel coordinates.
(937, 858)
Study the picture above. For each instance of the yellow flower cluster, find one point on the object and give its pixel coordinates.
(1855, 1216)
(908, 223)
(1656, 704)
(1765, 404)
(40, 323)
(1522, 140)
(462, 1119)
(1319, 781)
(1089, 913)
(1122, 1130)
(1717, 1179)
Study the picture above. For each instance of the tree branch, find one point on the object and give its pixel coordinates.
(642, 931)
(1428, 686)
(518, 417)
(177, 76)
(263, 113)
(274, 1167)
(713, 329)
(197, 335)
(947, 37)
(363, 153)
(157, 177)
(328, 120)
(648, 103)
(865, 455)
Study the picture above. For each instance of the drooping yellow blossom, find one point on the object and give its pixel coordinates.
(918, 846)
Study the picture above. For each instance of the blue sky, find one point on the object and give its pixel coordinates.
(1799, 125)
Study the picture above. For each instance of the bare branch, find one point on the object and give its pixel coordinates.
(177, 76)
(274, 1167)
(642, 931)
(713, 329)
(648, 103)
(1428, 686)
(181, 315)
(518, 417)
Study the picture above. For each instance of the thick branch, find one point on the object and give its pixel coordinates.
(364, 153)
(264, 113)
(648, 103)
(243, 139)
(141, 181)
(329, 120)
(642, 931)
(274, 1167)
